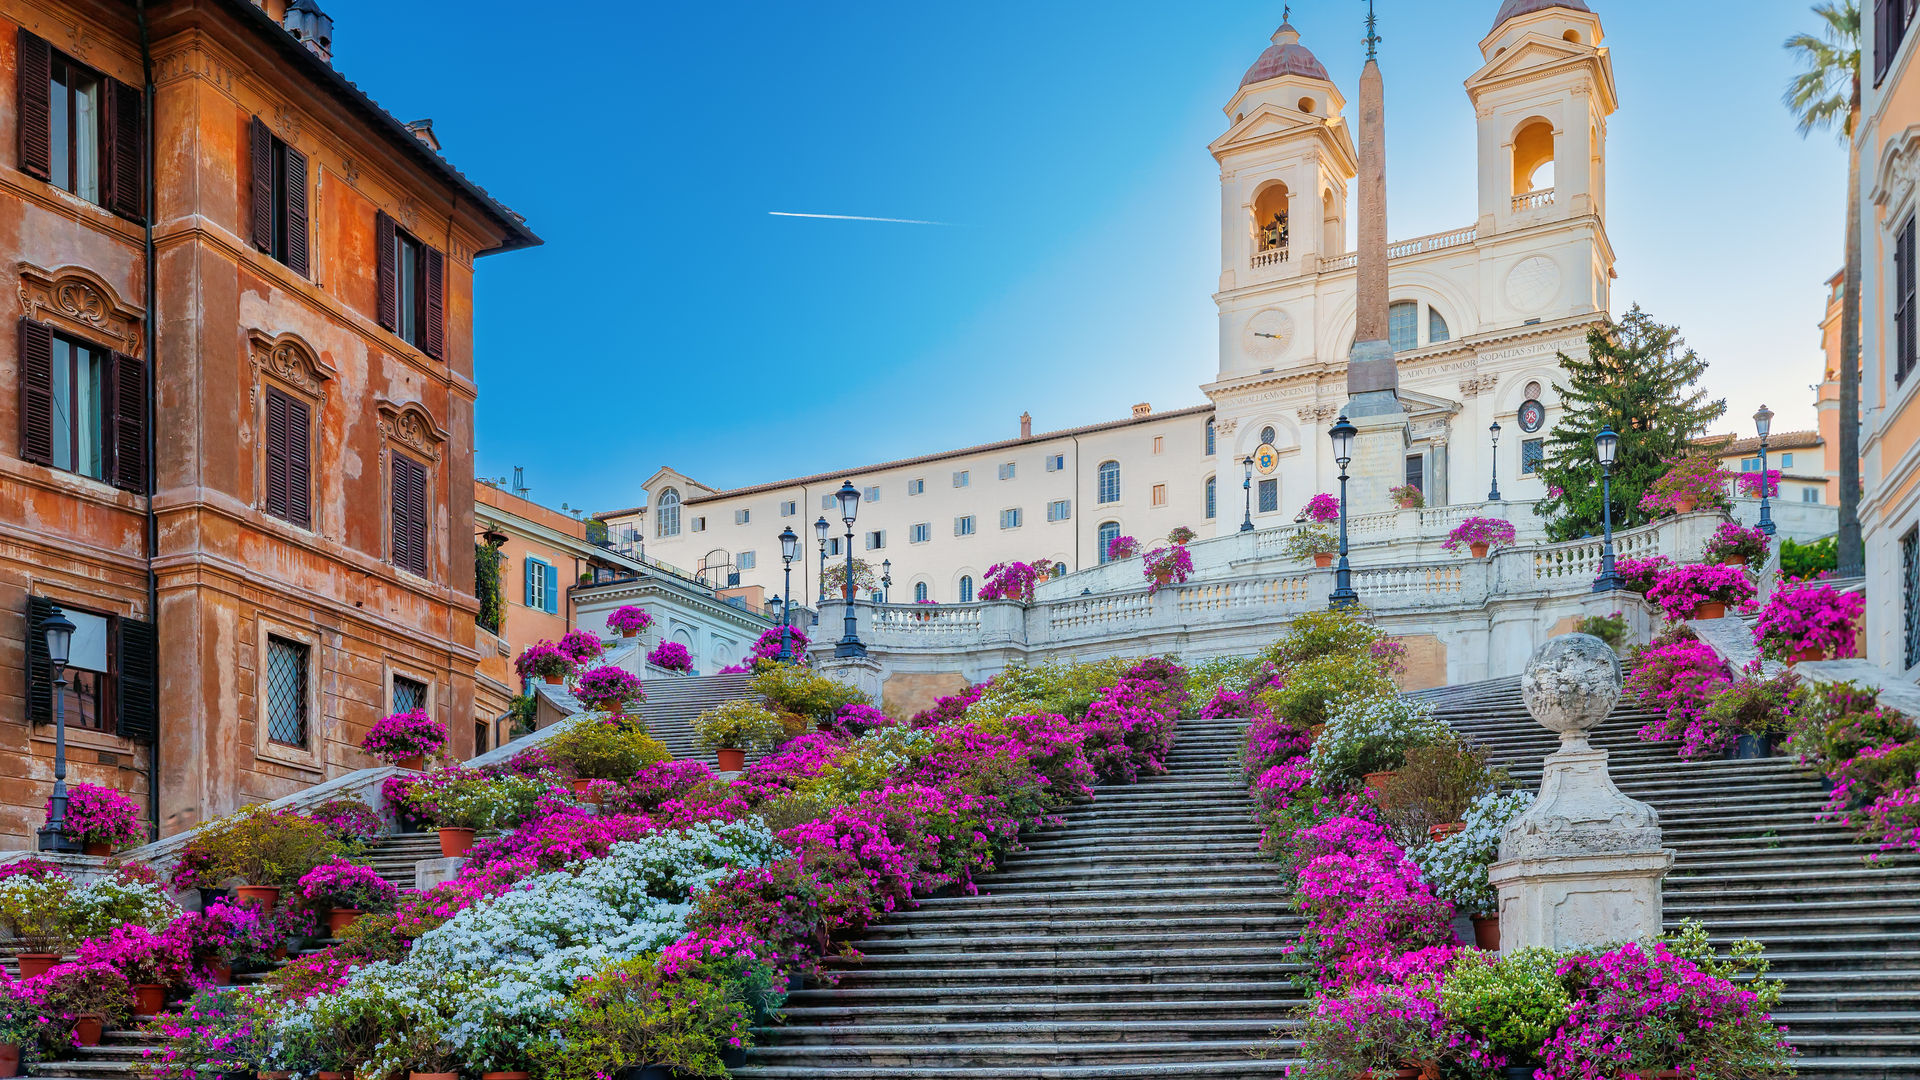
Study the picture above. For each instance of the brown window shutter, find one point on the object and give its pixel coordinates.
(138, 679)
(129, 431)
(293, 185)
(277, 500)
(261, 141)
(385, 273)
(417, 517)
(36, 392)
(34, 65)
(125, 150)
(433, 282)
(39, 663)
(299, 449)
(402, 528)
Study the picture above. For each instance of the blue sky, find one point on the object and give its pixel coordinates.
(671, 320)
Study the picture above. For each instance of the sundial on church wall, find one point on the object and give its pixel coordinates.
(1533, 283)
(1268, 334)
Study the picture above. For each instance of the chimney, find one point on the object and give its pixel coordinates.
(1142, 410)
(310, 27)
(1026, 425)
(423, 130)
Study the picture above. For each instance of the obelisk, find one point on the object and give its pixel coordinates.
(1373, 383)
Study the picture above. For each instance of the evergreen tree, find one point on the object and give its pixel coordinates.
(1638, 377)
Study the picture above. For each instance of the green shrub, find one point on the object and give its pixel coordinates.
(630, 1013)
(1318, 634)
(1803, 561)
(791, 688)
(1515, 1002)
(738, 725)
(1436, 786)
(1315, 685)
(1372, 734)
(259, 846)
(1750, 706)
(1611, 629)
(608, 750)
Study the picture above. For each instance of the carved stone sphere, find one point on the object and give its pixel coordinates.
(1571, 684)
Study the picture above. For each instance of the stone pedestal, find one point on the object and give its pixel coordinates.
(860, 672)
(1583, 865)
(1379, 450)
(430, 872)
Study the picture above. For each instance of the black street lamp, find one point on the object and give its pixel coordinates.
(820, 531)
(1342, 435)
(849, 498)
(789, 550)
(1606, 447)
(1247, 486)
(1493, 494)
(1763, 422)
(886, 580)
(59, 633)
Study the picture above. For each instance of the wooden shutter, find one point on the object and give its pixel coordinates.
(125, 165)
(34, 65)
(299, 453)
(36, 392)
(261, 141)
(417, 516)
(129, 428)
(553, 589)
(402, 532)
(277, 499)
(409, 514)
(1882, 36)
(528, 569)
(433, 267)
(39, 665)
(386, 274)
(138, 690)
(293, 188)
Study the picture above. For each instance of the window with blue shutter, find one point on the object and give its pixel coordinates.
(531, 568)
(553, 590)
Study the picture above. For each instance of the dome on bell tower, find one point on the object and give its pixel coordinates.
(1286, 56)
(1513, 9)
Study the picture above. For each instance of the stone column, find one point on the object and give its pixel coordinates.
(1583, 865)
(863, 673)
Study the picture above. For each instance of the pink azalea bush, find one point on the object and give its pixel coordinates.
(607, 689)
(1809, 618)
(629, 619)
(1638, 575)
(1733, 540)
(102, 815)
(1679, 674)
(1123, 547)
(1681, 590)
(1751, 484)
(672, 656)
(348, 819)
(1323, 509)
(1165, 566)
(580, 646)
(1013, 580)
(405, 735)
(341, 884)
(1691, 482)
(543, 660)
(766, 650)
(1494, 532)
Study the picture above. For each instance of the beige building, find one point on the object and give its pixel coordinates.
(1799, 456)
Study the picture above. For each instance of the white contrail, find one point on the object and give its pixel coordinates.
(856, 217)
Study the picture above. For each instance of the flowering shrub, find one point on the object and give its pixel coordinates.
(405, 735)
(542, 660)
(1691, 482)
(1638, 575)
(348, 820)
(30, 867)
(1180, 534)
(580, 646)
(460, 798)
(1455, 868)
(1367, 734)
(142, 956)
(607, 689)
(604, 750)
(738, 725)
(1323, 509)
(1122, 547)
(766, 651)
(628, 619)
(256, 844)
(1733, 540)
(1013, 581)
(213, 1034)
(672, 656)
(102, 815)
(1408, 497)
(1681, 590)
(1679, 674)
(1166, 566)
(1809, 618)
(1493, 532)
(341, 884)
(1307, 541)
(1752, 485)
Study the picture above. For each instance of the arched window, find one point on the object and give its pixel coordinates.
(667, 521)
(1403, 325)
(1109, 532)
(1267, 436)
(1210, 498)
(966, 589)
(920, 592)
(1533, 158)
(1270, 225)
(1059, 570)
(1209, 438)
(1437, 327)
(1109, 481)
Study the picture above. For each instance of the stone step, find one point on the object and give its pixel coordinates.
(1145, 921)
(1024, 1056)
(1024, 996)
(1128, 1010)
(1202, 969)
(1275, 1065)
(1062, 955)
(1252, 1028)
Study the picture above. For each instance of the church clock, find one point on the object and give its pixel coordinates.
(1268, 334)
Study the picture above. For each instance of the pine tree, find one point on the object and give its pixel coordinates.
(1638, 377)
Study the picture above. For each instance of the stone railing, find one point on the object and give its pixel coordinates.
(1419, 245)
(1270, 257)
(1533, 200)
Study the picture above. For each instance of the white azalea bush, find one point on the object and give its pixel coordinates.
(1455, 869)
(1373, 734)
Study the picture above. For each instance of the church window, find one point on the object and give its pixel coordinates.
(1211, 490)
(1109, 481)
(1270, 220)
(1266, 436)
(1417, 471)
(1269, 496)
(1209, 438)
(668, 522)
(1533, 158)
(1437, 327)
(1403, 325)
(1108, 532)
(1533, 453)
(1903, 314)
(966, 589)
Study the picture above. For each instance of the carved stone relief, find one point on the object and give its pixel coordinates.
(80, 302)
(411, 426)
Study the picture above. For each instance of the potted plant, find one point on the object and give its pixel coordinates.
(580, 646)
(1180, 534)
(1754, 710)
(835, 579)
(215, 1034)
(1375, 1030)
(1166, 566)
(1408, 497)
(1455, 867)
(1755, 485)
(541, 660)
(733, 728)
(93, 995)
(151, 961)
(348, 820)
(267, 849)
(1013, 580)
(603, 750)
(1322, 509)
(629, 621)
(459, 802)
(671, 656)
(37, 912)
(1692, 482)
(1736, 545)
(1511, 1005)
(1638, 575)
(102, 818)
(1809, 622)
(342, 891)
(1428, 798)
(1480, 534)
(405, 739)
(1367, 739)
(1122, 547)
(1315, 542)
(608, 689)
(1700, 590)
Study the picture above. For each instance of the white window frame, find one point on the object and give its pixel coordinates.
(963, 525)
(920, 532)
(1060, 510)
(1006, 470)
(1056, 462)
(963, 478)
(1010, 518)
(742, 516)
(917, 487)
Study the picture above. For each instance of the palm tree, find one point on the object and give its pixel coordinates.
(1827, 96)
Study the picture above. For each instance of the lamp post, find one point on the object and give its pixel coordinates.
(886, 581)
(789, 550)
(1606, 446)
(1763, 423)
(820, 531)
(59, 633)
(1493, 494)
(1342, 434)
(1247, 486)
(849, 498)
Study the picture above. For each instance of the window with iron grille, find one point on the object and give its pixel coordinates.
(1108, 532)
(1910, 592)
(409, 695)
(1209, 438)
(1211, 504)
(287, 691)
(1269, 496)
(1533, 454)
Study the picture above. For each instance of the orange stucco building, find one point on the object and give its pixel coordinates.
(235, 445)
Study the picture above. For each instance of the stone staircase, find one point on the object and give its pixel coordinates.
(393, 856)
(668, 711)
(1754, 861)
(1142, 938)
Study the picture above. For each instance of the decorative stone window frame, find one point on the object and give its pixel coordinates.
(1895, 184)
(80, 303)
(312, 757)
(288, 364)
(391, 668)
(408, 427)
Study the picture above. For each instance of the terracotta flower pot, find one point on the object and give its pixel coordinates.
(1405, 1072)
(36, 963)
(732, 760)
(339, 919)
(88, 1029)
(433, 1076)
(1734, 560)
(1323, 559)
(96, 847)
(332, 1076)
(454, 841)
(1804, 655)
(1376, 781)
(1440, 832)
(581, 786)
(262, 896)
(626, 634)
(221, 972)
(9, 1060)
(1712, 609)
(1486, 932)
(1685, 503)
(416, 762)
(503, 1076)
(554, 680)
(274, 1074)
(1479, 550)
(149, 999)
